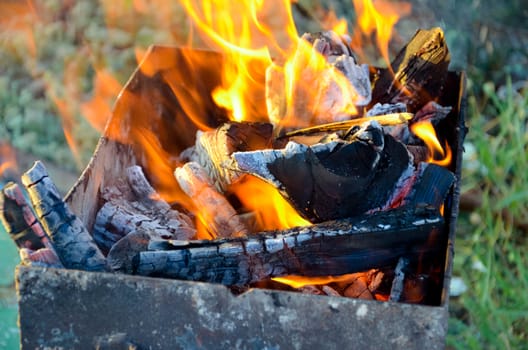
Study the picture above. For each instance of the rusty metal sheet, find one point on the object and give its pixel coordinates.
(64, 309)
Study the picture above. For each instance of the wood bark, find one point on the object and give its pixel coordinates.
(332, 248)
(132, 204)
(72, 242)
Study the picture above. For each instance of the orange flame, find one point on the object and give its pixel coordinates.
(272, 211)
(427, 133)
(295, 281)
(379, 17)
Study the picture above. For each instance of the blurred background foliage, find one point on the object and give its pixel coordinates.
(62, 64)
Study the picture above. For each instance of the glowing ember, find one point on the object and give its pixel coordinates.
(301, 281)
(8, 160)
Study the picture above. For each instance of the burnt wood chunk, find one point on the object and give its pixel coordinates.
(331, 248)
(418, 72)
(214, 148)
(340, 179)
(132, 204)
(72, 242)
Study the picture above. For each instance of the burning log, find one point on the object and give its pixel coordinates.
(213, 149)
(132, 204)
(418, 72)
(219, 216)
(331, 248)
(71, 241)
(342, 178)
(317, 95)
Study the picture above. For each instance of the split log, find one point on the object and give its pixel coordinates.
(213, 149)
(72, 242)
(132, 204)
(418, 72)
(215, 211)
(340, 179)
(331, 248)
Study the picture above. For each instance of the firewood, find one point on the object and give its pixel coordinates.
(331, 248)
(216, 212)
(399, 278)
(418, 72)
(72, 241)
(214, 148)
(34, 245)
(315, 97)
(359, 288)
(132, 204)
(340, 179)
(383, 120)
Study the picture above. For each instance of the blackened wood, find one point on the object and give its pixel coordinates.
(340, 179)
(213, 148)
(216, 213)
(418, 73)
(332, 248)
(132, 204)
(19, 221)
(21, 224)
(72, 242)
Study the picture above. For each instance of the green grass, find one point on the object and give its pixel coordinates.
(491, 251)
(9, 333)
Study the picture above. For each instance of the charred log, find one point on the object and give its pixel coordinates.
(418, 72)
(340, 179)
(332, 248)
(132, 204)
(72, 242)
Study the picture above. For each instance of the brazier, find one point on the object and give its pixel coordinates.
(76, 309)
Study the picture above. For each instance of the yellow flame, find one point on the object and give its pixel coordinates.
(377, 17)
(427, 133)
(271, 210)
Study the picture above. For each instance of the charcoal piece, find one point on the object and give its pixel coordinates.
(431, 187)
(332, 248)
(339, 179)
(418, 72)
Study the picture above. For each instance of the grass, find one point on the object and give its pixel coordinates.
(75, 43)
(491, 249)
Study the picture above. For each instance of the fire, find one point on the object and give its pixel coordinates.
(295, 281)
(8, 160)
(427, 133)
(271, 210)
(379, 17)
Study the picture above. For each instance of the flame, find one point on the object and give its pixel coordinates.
(427, 133)
(271, 210)
(379, 17)
(8, 160)
(295, 281)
